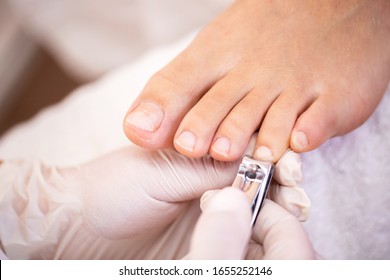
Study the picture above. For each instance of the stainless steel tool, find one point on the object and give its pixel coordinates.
(253, 178)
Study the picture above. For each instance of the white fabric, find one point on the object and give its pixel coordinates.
(346, 179)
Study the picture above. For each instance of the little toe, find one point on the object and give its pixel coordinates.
(325, 118)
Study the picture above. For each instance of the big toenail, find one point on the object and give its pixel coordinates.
(186, 140)
(222, 146)
(263, 153)
(147, 116)
(299, 140)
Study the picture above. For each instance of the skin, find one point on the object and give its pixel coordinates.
(299, 72)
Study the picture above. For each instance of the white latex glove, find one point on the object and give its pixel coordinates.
(223, 230)
(285, 188)
(131, 203)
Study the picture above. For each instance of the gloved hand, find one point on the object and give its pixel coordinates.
(129, 204)
(223, 230)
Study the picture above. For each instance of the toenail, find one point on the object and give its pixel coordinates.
(264, 153)
(299, 140)
(186, 140)
(146, 116)
(222, 146)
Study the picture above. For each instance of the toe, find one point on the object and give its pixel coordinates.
(274, 135)
(240, 124)
(318, 123)
(156, 114)
(196, 132)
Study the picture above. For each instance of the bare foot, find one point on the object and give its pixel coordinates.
(299, 71)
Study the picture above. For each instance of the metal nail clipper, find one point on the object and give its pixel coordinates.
(253, 178)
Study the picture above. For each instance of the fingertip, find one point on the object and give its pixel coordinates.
(227, 200)
(288, 170)
(294, 200)
(206, 197)
(223, 229)
(281, 234)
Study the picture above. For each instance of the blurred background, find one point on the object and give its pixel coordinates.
(50, 47)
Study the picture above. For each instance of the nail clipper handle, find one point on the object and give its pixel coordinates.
(253, 178)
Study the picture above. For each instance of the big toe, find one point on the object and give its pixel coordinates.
(154, 117)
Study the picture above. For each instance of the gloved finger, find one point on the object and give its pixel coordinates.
(188, 178)
(133, 189)
(285, 189)
(180, 178)
(173, 177)
(293, 199)
(288, 170)
(281, 235)
(223, 229)
(136, 189)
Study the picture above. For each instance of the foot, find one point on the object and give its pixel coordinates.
(300, 72)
